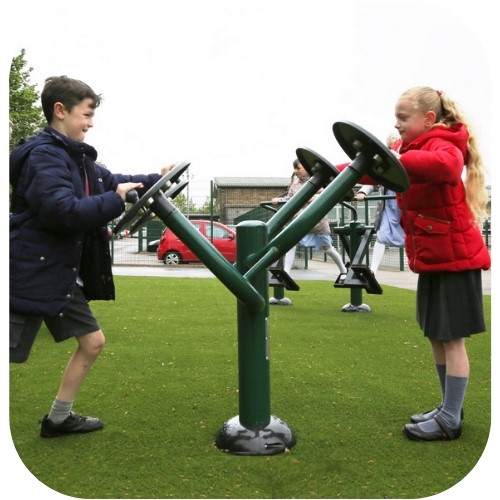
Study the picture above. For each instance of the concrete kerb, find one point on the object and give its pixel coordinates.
(317, 270)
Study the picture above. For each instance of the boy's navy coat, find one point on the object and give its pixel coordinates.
(57, 232)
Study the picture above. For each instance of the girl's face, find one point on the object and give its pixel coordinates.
(411, 123)
(300, 172)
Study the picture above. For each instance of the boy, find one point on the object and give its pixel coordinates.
(59, 244)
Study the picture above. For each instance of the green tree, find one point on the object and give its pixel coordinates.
(205, 207)
(24, 113)
(184, 205)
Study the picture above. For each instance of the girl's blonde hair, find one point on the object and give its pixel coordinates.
(448, 114)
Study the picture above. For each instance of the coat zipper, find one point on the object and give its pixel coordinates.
(422, 216)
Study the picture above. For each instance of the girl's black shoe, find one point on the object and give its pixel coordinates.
(444, 433)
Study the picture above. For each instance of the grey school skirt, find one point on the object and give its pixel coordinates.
(450, 304)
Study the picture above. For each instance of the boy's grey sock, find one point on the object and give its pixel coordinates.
(60, 411)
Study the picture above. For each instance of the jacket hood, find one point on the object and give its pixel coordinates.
(47, 136)
(456, 134)
(19, 155)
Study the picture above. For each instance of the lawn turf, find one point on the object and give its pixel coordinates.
(168, 379)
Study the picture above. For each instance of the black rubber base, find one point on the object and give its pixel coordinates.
(361, 308)
(275, 438)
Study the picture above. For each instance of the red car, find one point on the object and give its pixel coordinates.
(172, 251)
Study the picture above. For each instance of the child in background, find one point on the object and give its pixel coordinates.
(319, 236)
(387, 219)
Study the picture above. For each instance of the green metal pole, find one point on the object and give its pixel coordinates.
(253, 335)
(279, 292)
(354, 238)
(141, 237)
(211, 201)
(254, 431)
(276, 223)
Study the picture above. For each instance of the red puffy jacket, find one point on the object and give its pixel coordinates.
(440, 233)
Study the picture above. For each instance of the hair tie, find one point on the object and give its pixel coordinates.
(439, 92)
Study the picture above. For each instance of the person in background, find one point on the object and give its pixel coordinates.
(320, 235)
(389, 232)
(62, 201)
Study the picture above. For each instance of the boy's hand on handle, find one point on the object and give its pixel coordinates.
(125, 187)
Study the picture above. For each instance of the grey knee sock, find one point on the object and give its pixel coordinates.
(451, 411)
(441, 371)
(454, 400)
(60, 411)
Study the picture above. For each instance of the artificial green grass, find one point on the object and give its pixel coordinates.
(168, 380)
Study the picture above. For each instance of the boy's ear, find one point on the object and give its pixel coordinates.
(59, 110)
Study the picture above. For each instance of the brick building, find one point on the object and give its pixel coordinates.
(235, 196)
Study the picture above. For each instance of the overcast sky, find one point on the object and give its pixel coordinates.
(236, 86)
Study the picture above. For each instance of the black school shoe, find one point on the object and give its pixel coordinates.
(74, 424)
(444, 433)
(422, 417)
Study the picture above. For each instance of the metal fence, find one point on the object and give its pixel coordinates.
(137, 249)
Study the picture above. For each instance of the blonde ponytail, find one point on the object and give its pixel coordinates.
(477, 195)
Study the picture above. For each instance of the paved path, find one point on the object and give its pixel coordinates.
(317, 270)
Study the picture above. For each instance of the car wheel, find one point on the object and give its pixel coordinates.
(171, 259)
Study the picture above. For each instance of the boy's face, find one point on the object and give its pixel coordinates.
(75, 123)
(411, 123)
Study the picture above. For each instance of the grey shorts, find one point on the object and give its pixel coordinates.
(77, 320)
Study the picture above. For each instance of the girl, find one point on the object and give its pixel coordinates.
(441, 218)
(319, 237)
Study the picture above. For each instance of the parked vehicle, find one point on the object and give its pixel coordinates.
(173, 251)
(152, 246)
